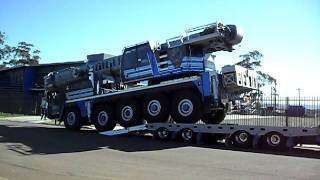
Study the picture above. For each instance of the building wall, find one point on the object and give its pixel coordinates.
(16, 84)
(11, 90)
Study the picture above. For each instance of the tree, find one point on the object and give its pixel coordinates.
(21, 55)
(5, 50)
(252, 61)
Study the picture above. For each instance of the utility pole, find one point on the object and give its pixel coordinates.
(299, 89)
(274, 94)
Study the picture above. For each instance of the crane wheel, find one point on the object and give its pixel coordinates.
(128, 113)
(156, 108)
(215, 117)
(186, 107)
(103, 118)
(72, 119)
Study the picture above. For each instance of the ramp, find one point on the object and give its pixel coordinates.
(118, 130)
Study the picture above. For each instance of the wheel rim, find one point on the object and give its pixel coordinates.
(243, 137)
(163, 133)
(187, 134)
(103, 118)
(274, 139)
(127, 113)
(185, 107)
(71, 118)
(154, 107)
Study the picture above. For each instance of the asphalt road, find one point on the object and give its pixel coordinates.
(37, 151)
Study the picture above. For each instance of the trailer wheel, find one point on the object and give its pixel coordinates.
(186, 107)
(242, 139)
(72, 119)
(156, 108)
(187, 135)
(128, 113)
(103, 119)
(162, 133)
(274, 140)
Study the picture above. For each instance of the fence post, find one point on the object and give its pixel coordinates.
(286, 111)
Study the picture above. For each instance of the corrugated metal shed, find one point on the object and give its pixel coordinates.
(21, 87)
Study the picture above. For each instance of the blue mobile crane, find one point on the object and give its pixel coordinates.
(177, 78)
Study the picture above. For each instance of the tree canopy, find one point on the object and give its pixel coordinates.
(20, 55)
(252, 61)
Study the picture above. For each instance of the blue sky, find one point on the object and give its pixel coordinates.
(286, 32)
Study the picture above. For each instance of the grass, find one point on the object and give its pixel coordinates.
(5, 115)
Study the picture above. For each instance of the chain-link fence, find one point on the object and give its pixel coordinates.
(276, 111)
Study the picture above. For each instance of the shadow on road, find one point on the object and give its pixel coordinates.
(52, 140)
(46, 140)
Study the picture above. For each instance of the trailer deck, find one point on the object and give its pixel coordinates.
(234, 135)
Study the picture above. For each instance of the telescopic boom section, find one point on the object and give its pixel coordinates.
(179, 56)
(211, 37)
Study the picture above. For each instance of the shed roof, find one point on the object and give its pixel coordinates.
(41, 65)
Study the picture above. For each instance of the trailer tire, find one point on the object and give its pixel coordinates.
(274, 141)
(187, 135)
(186, 107)
(72, 119)
(155, 108)
(103, 118)
(128, 113)
(162, 134)
(242, 139)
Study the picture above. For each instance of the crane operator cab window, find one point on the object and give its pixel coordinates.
(135, 63)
